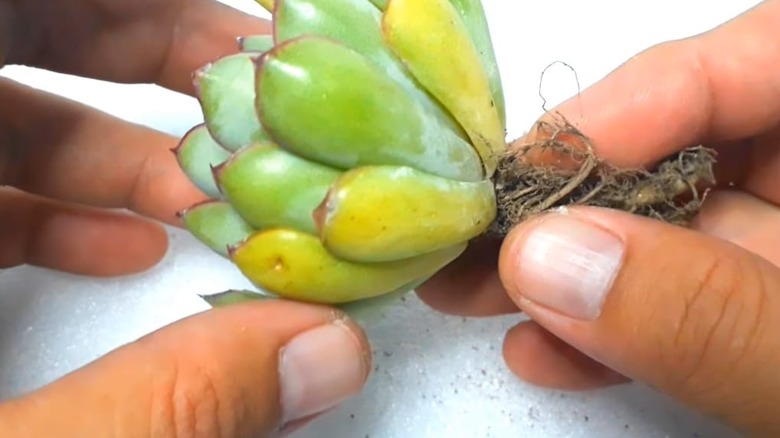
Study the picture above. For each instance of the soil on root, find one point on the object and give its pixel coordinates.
(562, 170)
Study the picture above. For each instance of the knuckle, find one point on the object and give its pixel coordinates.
(192, 402)
(718, 322)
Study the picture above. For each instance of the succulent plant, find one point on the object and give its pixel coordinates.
(352, 154)
(348, 155)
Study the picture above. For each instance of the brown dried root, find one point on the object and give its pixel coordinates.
(562, 170)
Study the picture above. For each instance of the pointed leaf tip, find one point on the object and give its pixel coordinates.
(217, 169)
(257, 44)
(271, 187)
(217, 225)
(268, 5)
(197, 153)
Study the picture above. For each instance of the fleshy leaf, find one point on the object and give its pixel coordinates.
(256, 43)
(369, 310)
(295, 265)
(217, 225)
(226, 90)
(326, 102)
(381, 4)
(381, 213)
(196, 153)
(267, 4)
(357, 24)
(235, 296)
(430, 37)
(270, 187)
(473, 14)
(363, 312)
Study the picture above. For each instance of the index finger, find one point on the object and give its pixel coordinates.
(160, 41)
(715, 87)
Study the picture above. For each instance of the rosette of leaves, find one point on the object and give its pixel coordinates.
(348, 155)
(351, 154)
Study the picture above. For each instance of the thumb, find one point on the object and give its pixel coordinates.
(691, 315)
(240, 371)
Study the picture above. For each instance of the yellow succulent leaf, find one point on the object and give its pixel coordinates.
(381, 213)
(296, 266)
(430, 37)
(267, 4)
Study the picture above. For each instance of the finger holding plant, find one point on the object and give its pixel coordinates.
(356, 151)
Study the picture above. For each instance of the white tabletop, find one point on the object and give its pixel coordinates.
(435, 376)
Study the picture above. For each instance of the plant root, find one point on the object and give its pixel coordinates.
(561, 170)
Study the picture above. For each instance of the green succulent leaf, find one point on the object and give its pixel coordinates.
(254, 44)
(295, 265)
(226, 90)
(235, 296)
(349, 155)
(417, 29)
(357, 25)
(196, 153)
(380, 4)
(363, 312)
(270, 187)
(326, 102)
(371, 309)
(217, 225)
(382, 213)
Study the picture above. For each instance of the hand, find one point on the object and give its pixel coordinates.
(239, 371)
(694, 312)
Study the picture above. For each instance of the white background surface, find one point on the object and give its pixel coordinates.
(436, 376)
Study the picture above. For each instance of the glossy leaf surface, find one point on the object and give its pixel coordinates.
(418, 29)
(196, 153)
(217, 225)
(325, 102)
(226, 90)
(271, 187)
(295, 265)
(357, 25)
(388, 213)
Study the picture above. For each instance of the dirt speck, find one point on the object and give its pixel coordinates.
(279, 264)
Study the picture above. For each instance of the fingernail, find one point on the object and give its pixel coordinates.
(567, 264)
(319, 369)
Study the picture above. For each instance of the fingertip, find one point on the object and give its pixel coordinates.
(76, 239)
(98, 243)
